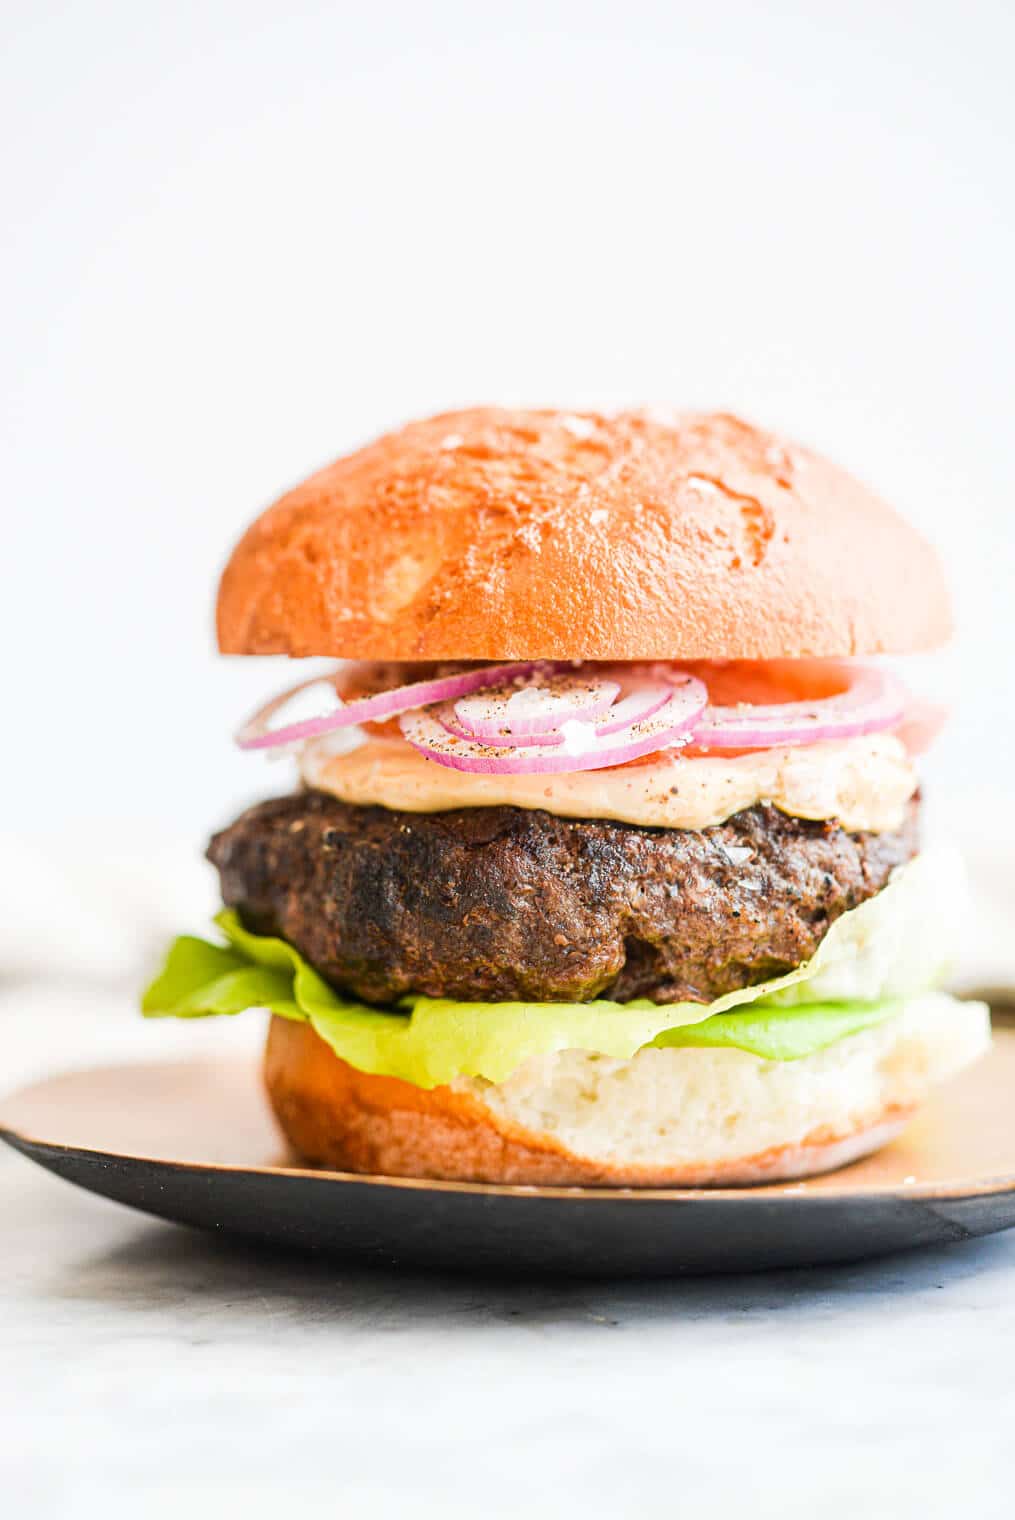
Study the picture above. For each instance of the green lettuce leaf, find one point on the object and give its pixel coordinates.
(435, 1040)
(783, 1034)
(893, 946)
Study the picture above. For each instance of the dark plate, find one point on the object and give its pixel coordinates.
(195, 1143)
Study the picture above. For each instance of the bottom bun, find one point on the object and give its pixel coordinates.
(677, 1117)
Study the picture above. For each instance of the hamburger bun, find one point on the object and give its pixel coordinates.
(494, 534)
(668, 1117)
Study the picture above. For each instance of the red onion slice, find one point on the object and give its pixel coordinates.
(641, 702)
(638, 705)
(580, 749)
(444, 712)
(871, 702)
(530, 711)
(330, 712)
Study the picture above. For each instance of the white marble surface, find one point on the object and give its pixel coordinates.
(150, 1371)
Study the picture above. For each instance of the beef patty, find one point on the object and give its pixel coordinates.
(501, 903)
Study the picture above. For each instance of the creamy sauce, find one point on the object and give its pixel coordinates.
(864, 783)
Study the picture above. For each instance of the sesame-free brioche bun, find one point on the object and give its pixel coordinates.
(668, 1117)
(498, 535)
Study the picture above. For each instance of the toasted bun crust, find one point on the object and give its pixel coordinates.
(493, 535)
(666, 1118)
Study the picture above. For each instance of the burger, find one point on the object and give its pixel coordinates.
(603, 865)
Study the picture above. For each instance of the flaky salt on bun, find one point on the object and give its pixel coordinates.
(678, 1117)
(493, 534)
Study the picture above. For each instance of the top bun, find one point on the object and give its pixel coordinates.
(502, 535)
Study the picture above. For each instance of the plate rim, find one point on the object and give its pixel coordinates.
(835, 1193)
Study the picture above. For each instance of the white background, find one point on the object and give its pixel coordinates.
(241, 238)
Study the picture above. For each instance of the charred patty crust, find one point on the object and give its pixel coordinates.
(499, 904)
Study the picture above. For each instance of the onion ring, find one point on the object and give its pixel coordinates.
(531, 711)
(257, 734)
(870, 702)
(637, 705)
(580, 749)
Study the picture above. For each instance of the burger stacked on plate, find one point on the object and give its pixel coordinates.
(604, 861)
